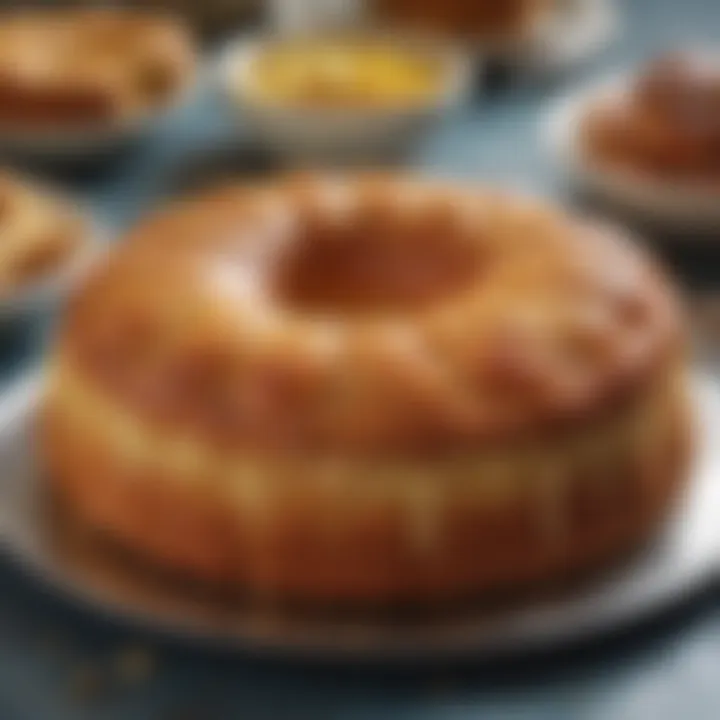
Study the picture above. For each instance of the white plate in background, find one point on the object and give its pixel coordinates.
(677, 206)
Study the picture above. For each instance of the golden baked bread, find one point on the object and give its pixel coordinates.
(464, 18)
(82, 67)
(39, 233)
(666, 125)
(370, 389)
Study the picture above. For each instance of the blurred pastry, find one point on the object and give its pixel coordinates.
(665, 126)
(62, 69)
(39, 234)
(370, 390)
(475, 19)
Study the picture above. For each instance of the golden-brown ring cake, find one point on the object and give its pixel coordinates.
(665, 126)
(370, 390)
(81, 67)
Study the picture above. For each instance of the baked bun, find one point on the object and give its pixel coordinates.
(666, 125)
(69, 68)
(370, 390)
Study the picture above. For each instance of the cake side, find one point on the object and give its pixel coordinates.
(341, 529)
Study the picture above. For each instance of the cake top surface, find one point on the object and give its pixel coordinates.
(374, 313)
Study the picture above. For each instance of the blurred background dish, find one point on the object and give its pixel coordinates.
(647, 142)
(576, 32)
(529, 34)
(303, 16)
(343, 97)
(79, 81)
(46, 243)
(210, 18)
(476, 20)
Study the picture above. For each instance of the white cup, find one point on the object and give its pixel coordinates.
(293, 16)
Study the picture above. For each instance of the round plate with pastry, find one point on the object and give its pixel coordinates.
(75, 81)
(647, 143)
(344, 388)
(362, 394)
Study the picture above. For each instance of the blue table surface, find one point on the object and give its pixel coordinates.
(59, 662)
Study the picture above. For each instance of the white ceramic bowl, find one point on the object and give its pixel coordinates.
(339, 136)
(672, 205)
(575, 32)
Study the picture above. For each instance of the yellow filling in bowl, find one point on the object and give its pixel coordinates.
(341, 74)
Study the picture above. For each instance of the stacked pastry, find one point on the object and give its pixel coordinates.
(370, 390)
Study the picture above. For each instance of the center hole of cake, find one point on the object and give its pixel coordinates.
(372, 272)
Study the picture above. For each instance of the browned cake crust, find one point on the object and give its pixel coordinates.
(666, 125)
(63, 68)
(373, 389)
(463, 18)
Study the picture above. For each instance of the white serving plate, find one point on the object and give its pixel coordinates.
(667, 205)
(682, 559)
